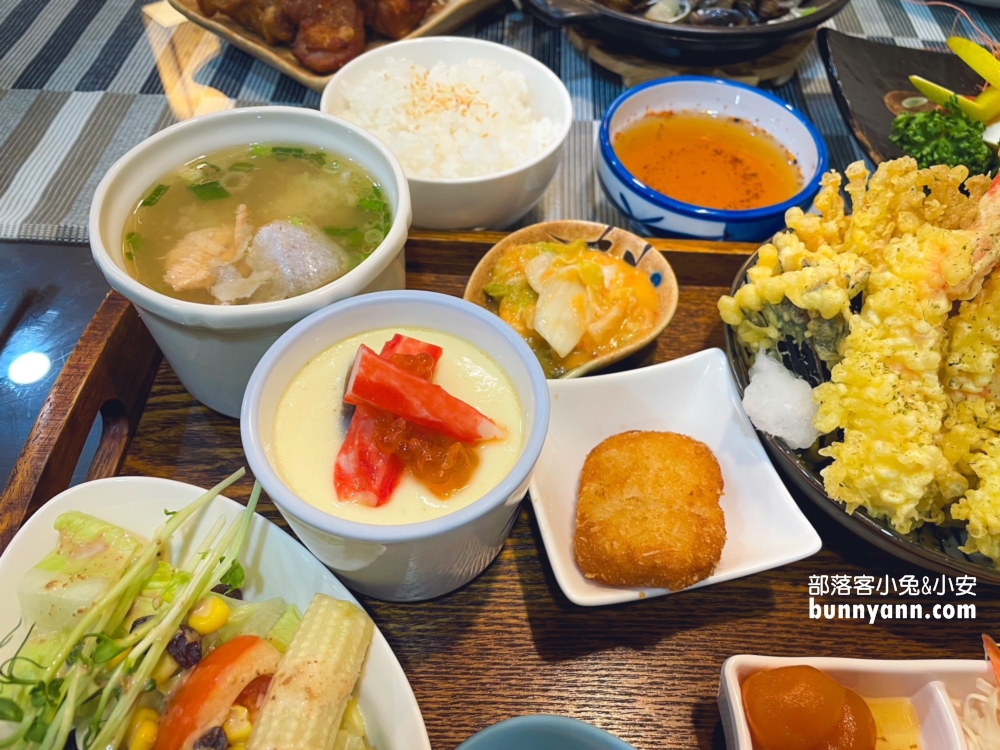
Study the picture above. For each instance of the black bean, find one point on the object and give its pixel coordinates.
(222, 588)
(185, 647)
(213, 739)
(138, 622)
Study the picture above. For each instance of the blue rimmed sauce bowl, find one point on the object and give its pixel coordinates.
(660, 215)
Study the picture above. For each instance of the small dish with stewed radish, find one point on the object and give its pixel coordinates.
(396, 433)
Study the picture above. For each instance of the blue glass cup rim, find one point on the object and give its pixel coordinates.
(700, 212)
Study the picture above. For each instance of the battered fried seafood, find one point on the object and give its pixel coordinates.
(648, 511)
(911, 390)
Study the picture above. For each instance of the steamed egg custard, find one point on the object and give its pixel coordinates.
(366, 459)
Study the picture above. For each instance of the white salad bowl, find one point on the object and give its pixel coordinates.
(661, 215)
(693, 396)
(494, 200)
(214, 348)
(931, 686)
(276, 566)
(402, 562)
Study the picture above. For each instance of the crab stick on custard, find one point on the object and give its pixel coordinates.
(313, 423)
(378, 383)
(363, 472)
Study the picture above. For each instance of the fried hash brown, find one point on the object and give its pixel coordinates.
(648, 511)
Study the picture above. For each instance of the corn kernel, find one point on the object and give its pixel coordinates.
(140, 715)
(237, 725)
(208, 615)
(145, 736)
(238, 746)
(165, 668)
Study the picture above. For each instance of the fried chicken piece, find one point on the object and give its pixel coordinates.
(271, 21)
(394, 18)
(331, 32)
(648, 512)
(266, 18)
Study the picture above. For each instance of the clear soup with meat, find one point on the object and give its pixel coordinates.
(254, 223)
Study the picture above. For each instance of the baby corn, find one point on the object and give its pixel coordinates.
(310, 690)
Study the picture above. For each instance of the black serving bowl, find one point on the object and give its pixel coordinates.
(931, 547)
(681, 43)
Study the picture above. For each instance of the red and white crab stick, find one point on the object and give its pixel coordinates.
(378, 383)
(362, 472)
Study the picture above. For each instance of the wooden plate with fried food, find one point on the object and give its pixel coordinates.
(442, 17)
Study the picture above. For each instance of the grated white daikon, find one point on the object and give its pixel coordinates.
(779, 403)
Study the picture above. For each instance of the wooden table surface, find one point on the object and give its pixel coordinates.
(510, 643)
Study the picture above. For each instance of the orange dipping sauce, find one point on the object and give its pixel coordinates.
(713, 162)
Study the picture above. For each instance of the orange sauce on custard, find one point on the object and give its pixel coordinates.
(714, 162)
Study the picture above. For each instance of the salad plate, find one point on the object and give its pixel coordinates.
(275, 564)
(694, 396)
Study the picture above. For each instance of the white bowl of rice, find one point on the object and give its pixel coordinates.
(478, 127)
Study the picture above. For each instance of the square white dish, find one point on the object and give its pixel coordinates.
(928, 683)
(694, 396)
(276, 566)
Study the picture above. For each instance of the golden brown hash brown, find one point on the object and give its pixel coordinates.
(648, 511)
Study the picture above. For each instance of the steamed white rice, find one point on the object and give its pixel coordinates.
(463, 120)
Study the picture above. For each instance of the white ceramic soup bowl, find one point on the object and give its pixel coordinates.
(495, 200)
(213, 348)
(661, 215)
(403, 562)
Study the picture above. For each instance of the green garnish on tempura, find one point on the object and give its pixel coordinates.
(947, 136)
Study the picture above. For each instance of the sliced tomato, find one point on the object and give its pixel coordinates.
(203, 700)
(252, 697)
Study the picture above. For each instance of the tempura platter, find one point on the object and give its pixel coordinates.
(933, 547)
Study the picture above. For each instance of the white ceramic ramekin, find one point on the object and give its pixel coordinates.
(495, 200)
(213, 349)
(405, 562)
(660, 215)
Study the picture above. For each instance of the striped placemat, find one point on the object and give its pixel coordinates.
(82, 81)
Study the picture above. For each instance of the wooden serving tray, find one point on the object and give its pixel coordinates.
(509, 643)
(442, 17)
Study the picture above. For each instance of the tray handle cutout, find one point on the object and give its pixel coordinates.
(110, 372)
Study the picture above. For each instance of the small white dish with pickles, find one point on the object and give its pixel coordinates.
(932, 704)
(128, 589)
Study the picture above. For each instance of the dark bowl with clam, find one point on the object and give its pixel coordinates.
(692, 32)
